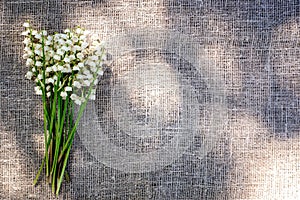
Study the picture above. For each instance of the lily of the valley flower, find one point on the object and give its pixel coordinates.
(65, 67)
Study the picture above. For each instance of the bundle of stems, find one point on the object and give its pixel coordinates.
(59, 131)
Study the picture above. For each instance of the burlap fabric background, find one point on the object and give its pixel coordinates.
(200, 100)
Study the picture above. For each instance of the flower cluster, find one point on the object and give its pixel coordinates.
(65, 67)
(68, 63)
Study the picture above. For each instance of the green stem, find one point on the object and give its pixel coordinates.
(63, 170)
(43, 162)
(66, 103)
(57, 143)
(45, 133)
(53, 108)
(50, 157)
(45, 111)
(39, 172)
(69, 122)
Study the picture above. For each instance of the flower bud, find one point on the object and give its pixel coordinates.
(26, 25)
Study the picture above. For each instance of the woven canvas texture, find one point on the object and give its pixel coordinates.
(200, 100)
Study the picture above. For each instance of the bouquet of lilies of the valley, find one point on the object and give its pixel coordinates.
(65, 68)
